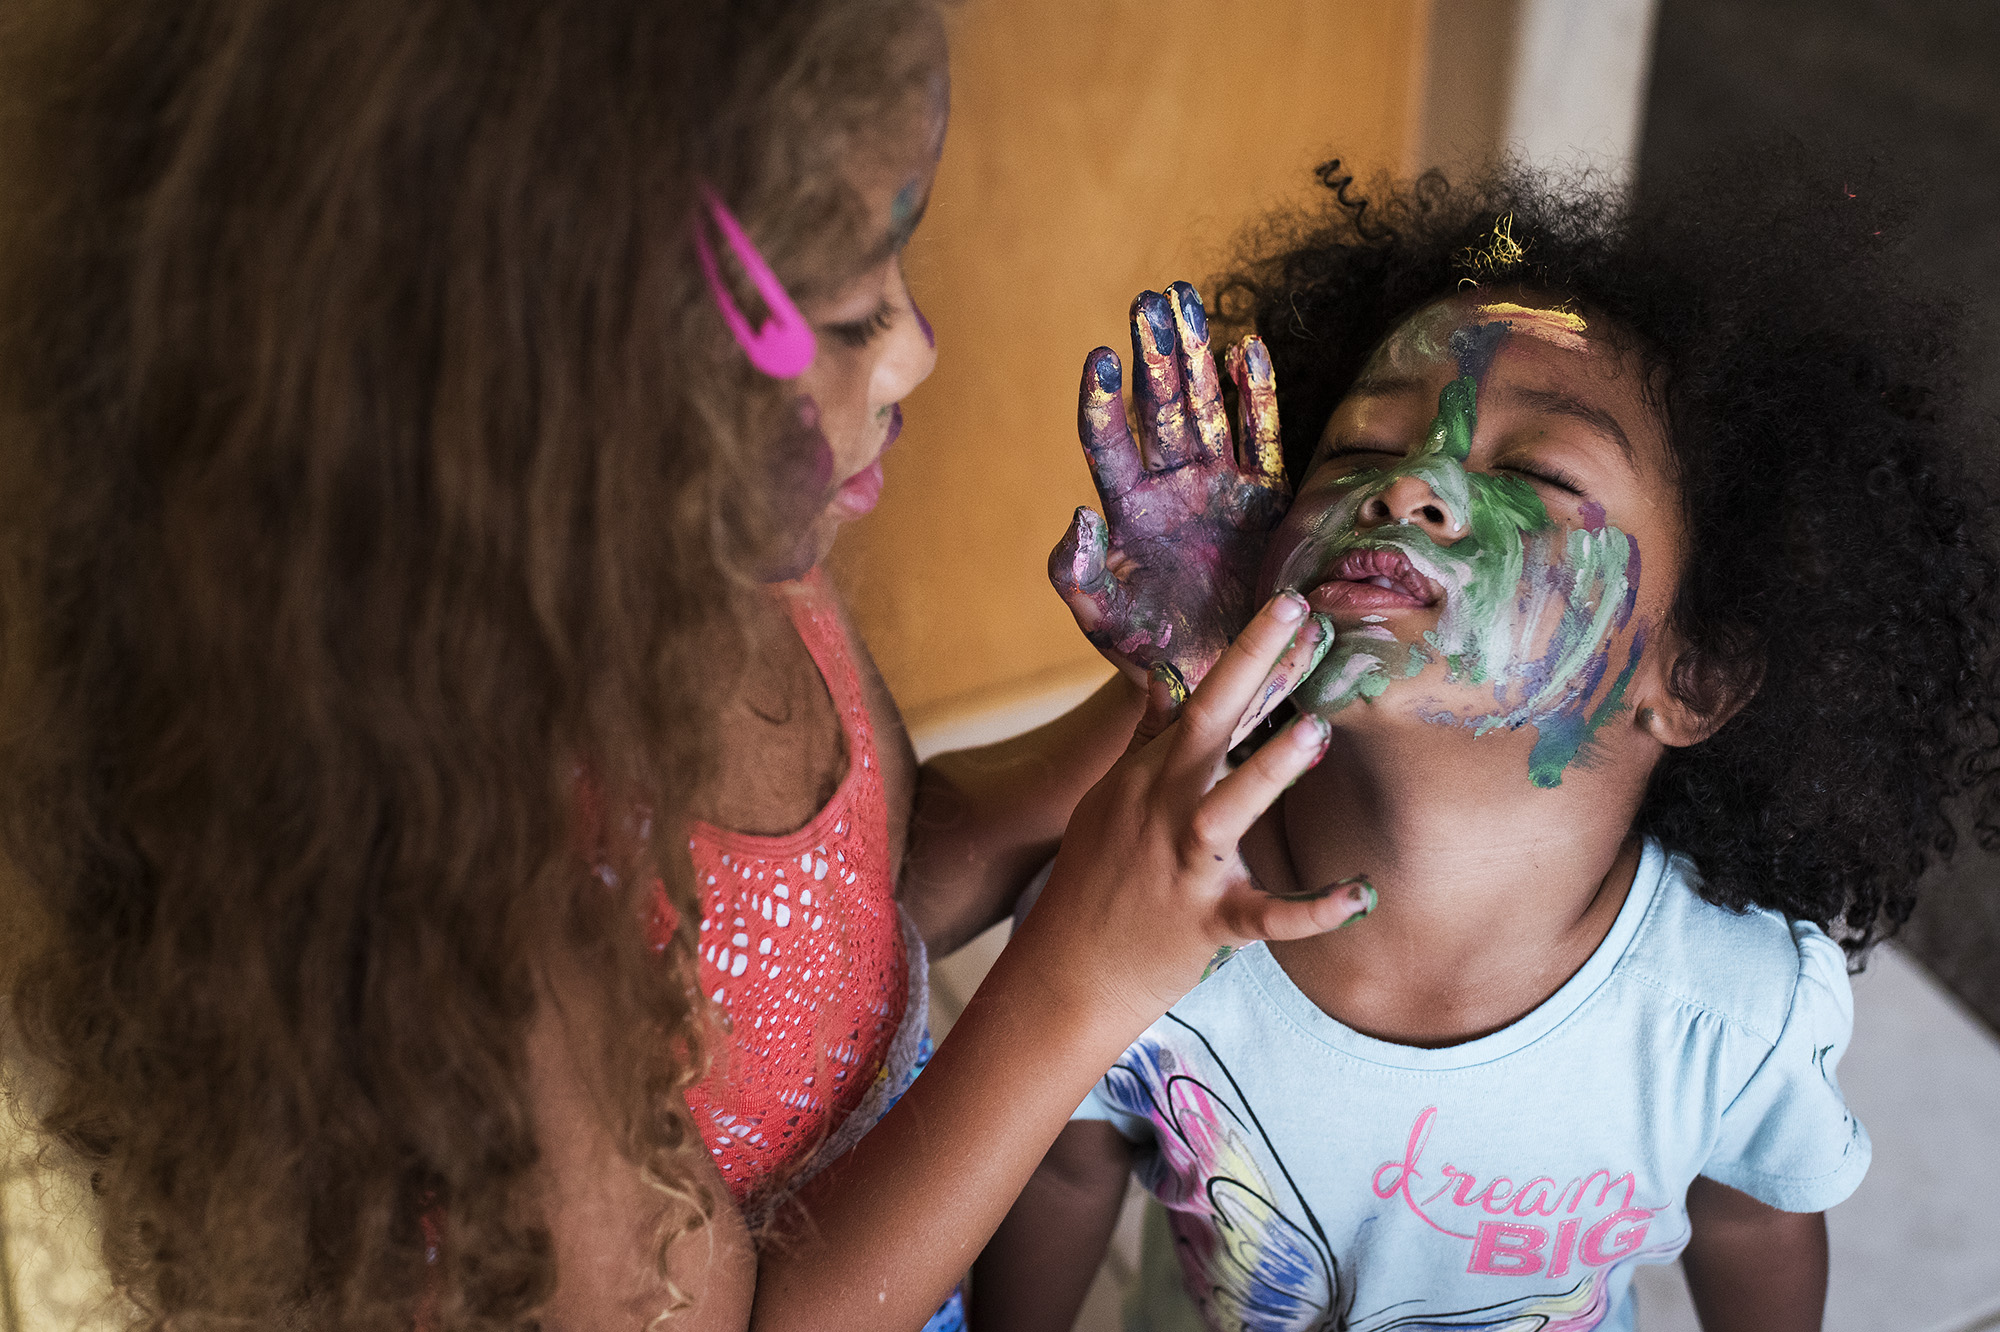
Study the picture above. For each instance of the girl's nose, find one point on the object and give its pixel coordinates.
(908, 356)
(1410, 499)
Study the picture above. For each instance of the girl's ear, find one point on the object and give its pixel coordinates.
(1696, 696)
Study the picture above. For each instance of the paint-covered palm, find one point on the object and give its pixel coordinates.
(1168, 573)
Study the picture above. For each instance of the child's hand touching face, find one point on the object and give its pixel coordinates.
(1475, 522)
(874, 344)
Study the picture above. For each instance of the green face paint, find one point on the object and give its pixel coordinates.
(1528, 608)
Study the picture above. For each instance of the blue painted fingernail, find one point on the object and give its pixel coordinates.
(1160, 319)
(1192, 314)
(1107, 371)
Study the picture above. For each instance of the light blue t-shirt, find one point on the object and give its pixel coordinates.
(1313, 1177)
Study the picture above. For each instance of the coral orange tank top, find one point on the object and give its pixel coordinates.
(822, 981)
(805, 950)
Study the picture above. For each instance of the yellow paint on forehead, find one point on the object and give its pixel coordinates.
(1509, 310)
(1563, 328)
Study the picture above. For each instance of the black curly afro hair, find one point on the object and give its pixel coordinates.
(1838, 558)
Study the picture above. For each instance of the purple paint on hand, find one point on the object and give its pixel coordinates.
(1107, 370)
(1168, 574)
(1192, 314)
(1160, 319)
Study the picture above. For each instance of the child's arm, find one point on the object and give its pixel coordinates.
(1751, 1267)
(1038, 1266)
(985, 820)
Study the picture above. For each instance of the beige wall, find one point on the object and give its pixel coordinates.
(1559, 82)
(1096, 147)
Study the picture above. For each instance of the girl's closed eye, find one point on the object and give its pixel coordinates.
(1348, 455)
(1359, 452)
(1546, 473)
(858, 333)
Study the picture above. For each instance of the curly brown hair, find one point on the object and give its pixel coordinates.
(1839, 553)
(375, 464)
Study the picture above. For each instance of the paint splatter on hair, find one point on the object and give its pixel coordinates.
(1498, 253)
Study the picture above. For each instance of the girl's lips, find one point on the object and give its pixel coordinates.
(1372, 580)
(1336, 598)
(859, 493)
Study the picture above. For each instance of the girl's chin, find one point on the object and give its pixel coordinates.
(816, 542)
(812, 546)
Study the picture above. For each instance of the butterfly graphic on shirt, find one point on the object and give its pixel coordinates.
(1253, 1255)
(1245, 1261)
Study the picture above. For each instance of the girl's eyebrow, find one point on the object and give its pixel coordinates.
(1384, 385)
(1563, 404)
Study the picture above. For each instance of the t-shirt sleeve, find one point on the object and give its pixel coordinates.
(1788, 1139)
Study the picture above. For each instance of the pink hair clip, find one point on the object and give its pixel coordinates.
(784, 346)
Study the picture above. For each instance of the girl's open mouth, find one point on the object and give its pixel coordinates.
(1373, 579)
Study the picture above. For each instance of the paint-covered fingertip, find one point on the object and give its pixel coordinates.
(1257, 359)
(1289, 607)
(1086, 533)
(1188, 302)
(1323, 645)
(1077, 562)
(1101, 368)
(1151, 308)
(1166, 677)
(1362, 893)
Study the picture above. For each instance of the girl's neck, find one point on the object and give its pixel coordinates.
(1492, 892)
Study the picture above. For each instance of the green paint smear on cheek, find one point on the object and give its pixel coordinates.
(1562, 737)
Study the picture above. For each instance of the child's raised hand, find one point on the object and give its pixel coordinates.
(1166, 576)
(1149, 883)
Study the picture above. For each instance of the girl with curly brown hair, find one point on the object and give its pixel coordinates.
(1664, 655)
(422, 424)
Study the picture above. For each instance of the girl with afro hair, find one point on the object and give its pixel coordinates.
(1661, 612)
